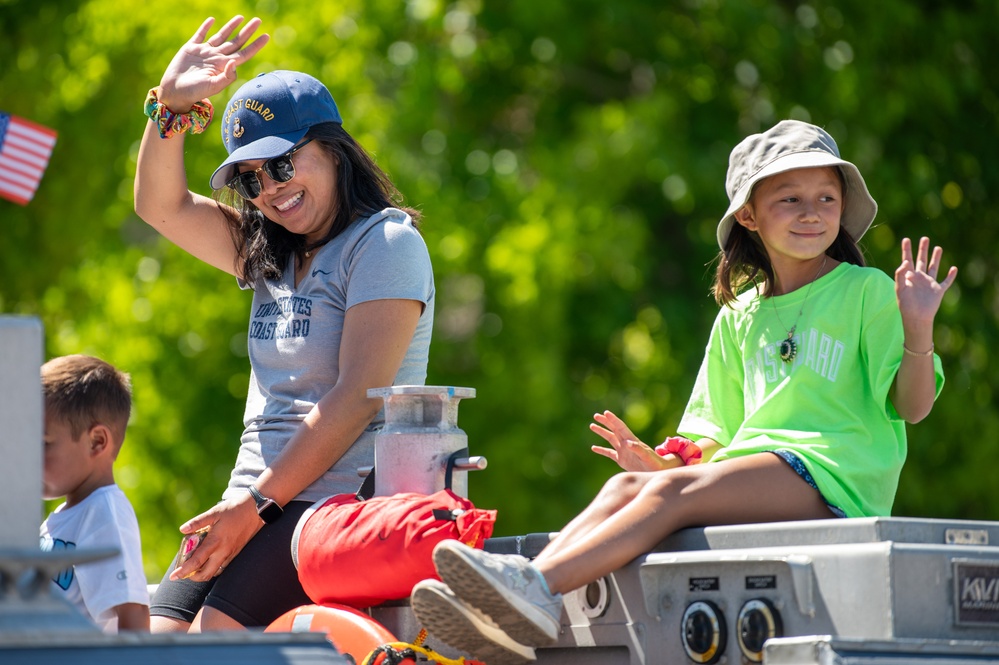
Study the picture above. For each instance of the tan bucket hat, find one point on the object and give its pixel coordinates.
(788, 145)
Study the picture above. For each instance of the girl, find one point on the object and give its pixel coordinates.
(343, 301)
(812, 368)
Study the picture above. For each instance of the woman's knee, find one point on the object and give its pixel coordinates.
(162, 624)
(210, 620)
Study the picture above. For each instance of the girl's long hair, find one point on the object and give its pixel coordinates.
(745, 262)
(362, 189)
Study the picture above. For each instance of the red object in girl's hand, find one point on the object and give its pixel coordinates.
(688, 451)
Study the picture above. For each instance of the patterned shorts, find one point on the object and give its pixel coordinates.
(799, 468)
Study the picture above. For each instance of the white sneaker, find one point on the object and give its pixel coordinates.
(504, 587)
(454, 623)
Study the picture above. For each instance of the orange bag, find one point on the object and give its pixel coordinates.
(363, 552)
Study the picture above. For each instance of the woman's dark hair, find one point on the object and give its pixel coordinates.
(362, 189)
(744, 261)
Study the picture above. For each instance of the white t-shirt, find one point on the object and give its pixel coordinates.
(105, 519)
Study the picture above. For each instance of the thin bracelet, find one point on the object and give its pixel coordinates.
(924, 354)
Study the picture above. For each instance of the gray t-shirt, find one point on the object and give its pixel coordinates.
(294, 341)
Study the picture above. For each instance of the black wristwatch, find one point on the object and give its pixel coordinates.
(269, 511)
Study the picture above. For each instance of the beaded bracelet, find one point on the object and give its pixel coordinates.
(918, 354)
(688, 451)
(169, 123)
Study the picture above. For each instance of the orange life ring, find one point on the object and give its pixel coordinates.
(351, 631)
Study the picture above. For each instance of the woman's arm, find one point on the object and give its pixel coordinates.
(919, 295)
(376, 336)
(200, 69)
(191, 221)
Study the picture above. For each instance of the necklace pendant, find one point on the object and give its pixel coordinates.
(788, 349)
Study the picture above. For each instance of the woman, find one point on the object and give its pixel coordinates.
(343, 302)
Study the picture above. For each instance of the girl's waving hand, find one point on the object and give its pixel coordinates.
(916, 286)
(919, 295)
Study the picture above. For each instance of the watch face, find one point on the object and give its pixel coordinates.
(269, 511)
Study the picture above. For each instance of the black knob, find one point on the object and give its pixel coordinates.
(703, 632)
(759, 621)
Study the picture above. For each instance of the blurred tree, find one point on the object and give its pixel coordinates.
(569, 158)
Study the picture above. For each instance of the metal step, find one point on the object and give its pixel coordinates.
(886, 581)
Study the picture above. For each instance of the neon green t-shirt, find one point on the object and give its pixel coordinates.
(830, 406)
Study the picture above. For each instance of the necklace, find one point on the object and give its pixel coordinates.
(315, 248)
(788, 347)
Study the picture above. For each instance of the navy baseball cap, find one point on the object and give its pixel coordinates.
(268, 115)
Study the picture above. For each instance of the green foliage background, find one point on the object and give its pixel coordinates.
(569, 157)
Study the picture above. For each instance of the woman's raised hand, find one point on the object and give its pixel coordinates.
(626, 449)
(204, 67)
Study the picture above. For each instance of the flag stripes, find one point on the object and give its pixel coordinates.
(25, 148)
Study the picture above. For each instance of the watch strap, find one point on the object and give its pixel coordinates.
(268, 509)
(258, 498)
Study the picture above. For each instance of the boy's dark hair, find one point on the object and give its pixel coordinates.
(362, 189)
(84, 391)
(744, 260)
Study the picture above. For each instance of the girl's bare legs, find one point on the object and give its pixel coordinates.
(610, 533)
(616, 493)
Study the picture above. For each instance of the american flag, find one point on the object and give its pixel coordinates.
(24, 153)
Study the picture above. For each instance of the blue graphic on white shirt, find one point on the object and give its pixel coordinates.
(48, 544)
(282, 328)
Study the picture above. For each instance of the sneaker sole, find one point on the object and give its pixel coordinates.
(449, 621)
(496, 602)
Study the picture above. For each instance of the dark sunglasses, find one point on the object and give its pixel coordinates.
(279, 169)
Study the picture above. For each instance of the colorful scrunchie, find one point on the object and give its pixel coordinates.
(171, 124)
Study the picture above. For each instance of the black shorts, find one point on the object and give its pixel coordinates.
(257, 587)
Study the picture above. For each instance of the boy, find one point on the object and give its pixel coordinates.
(87, 405)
